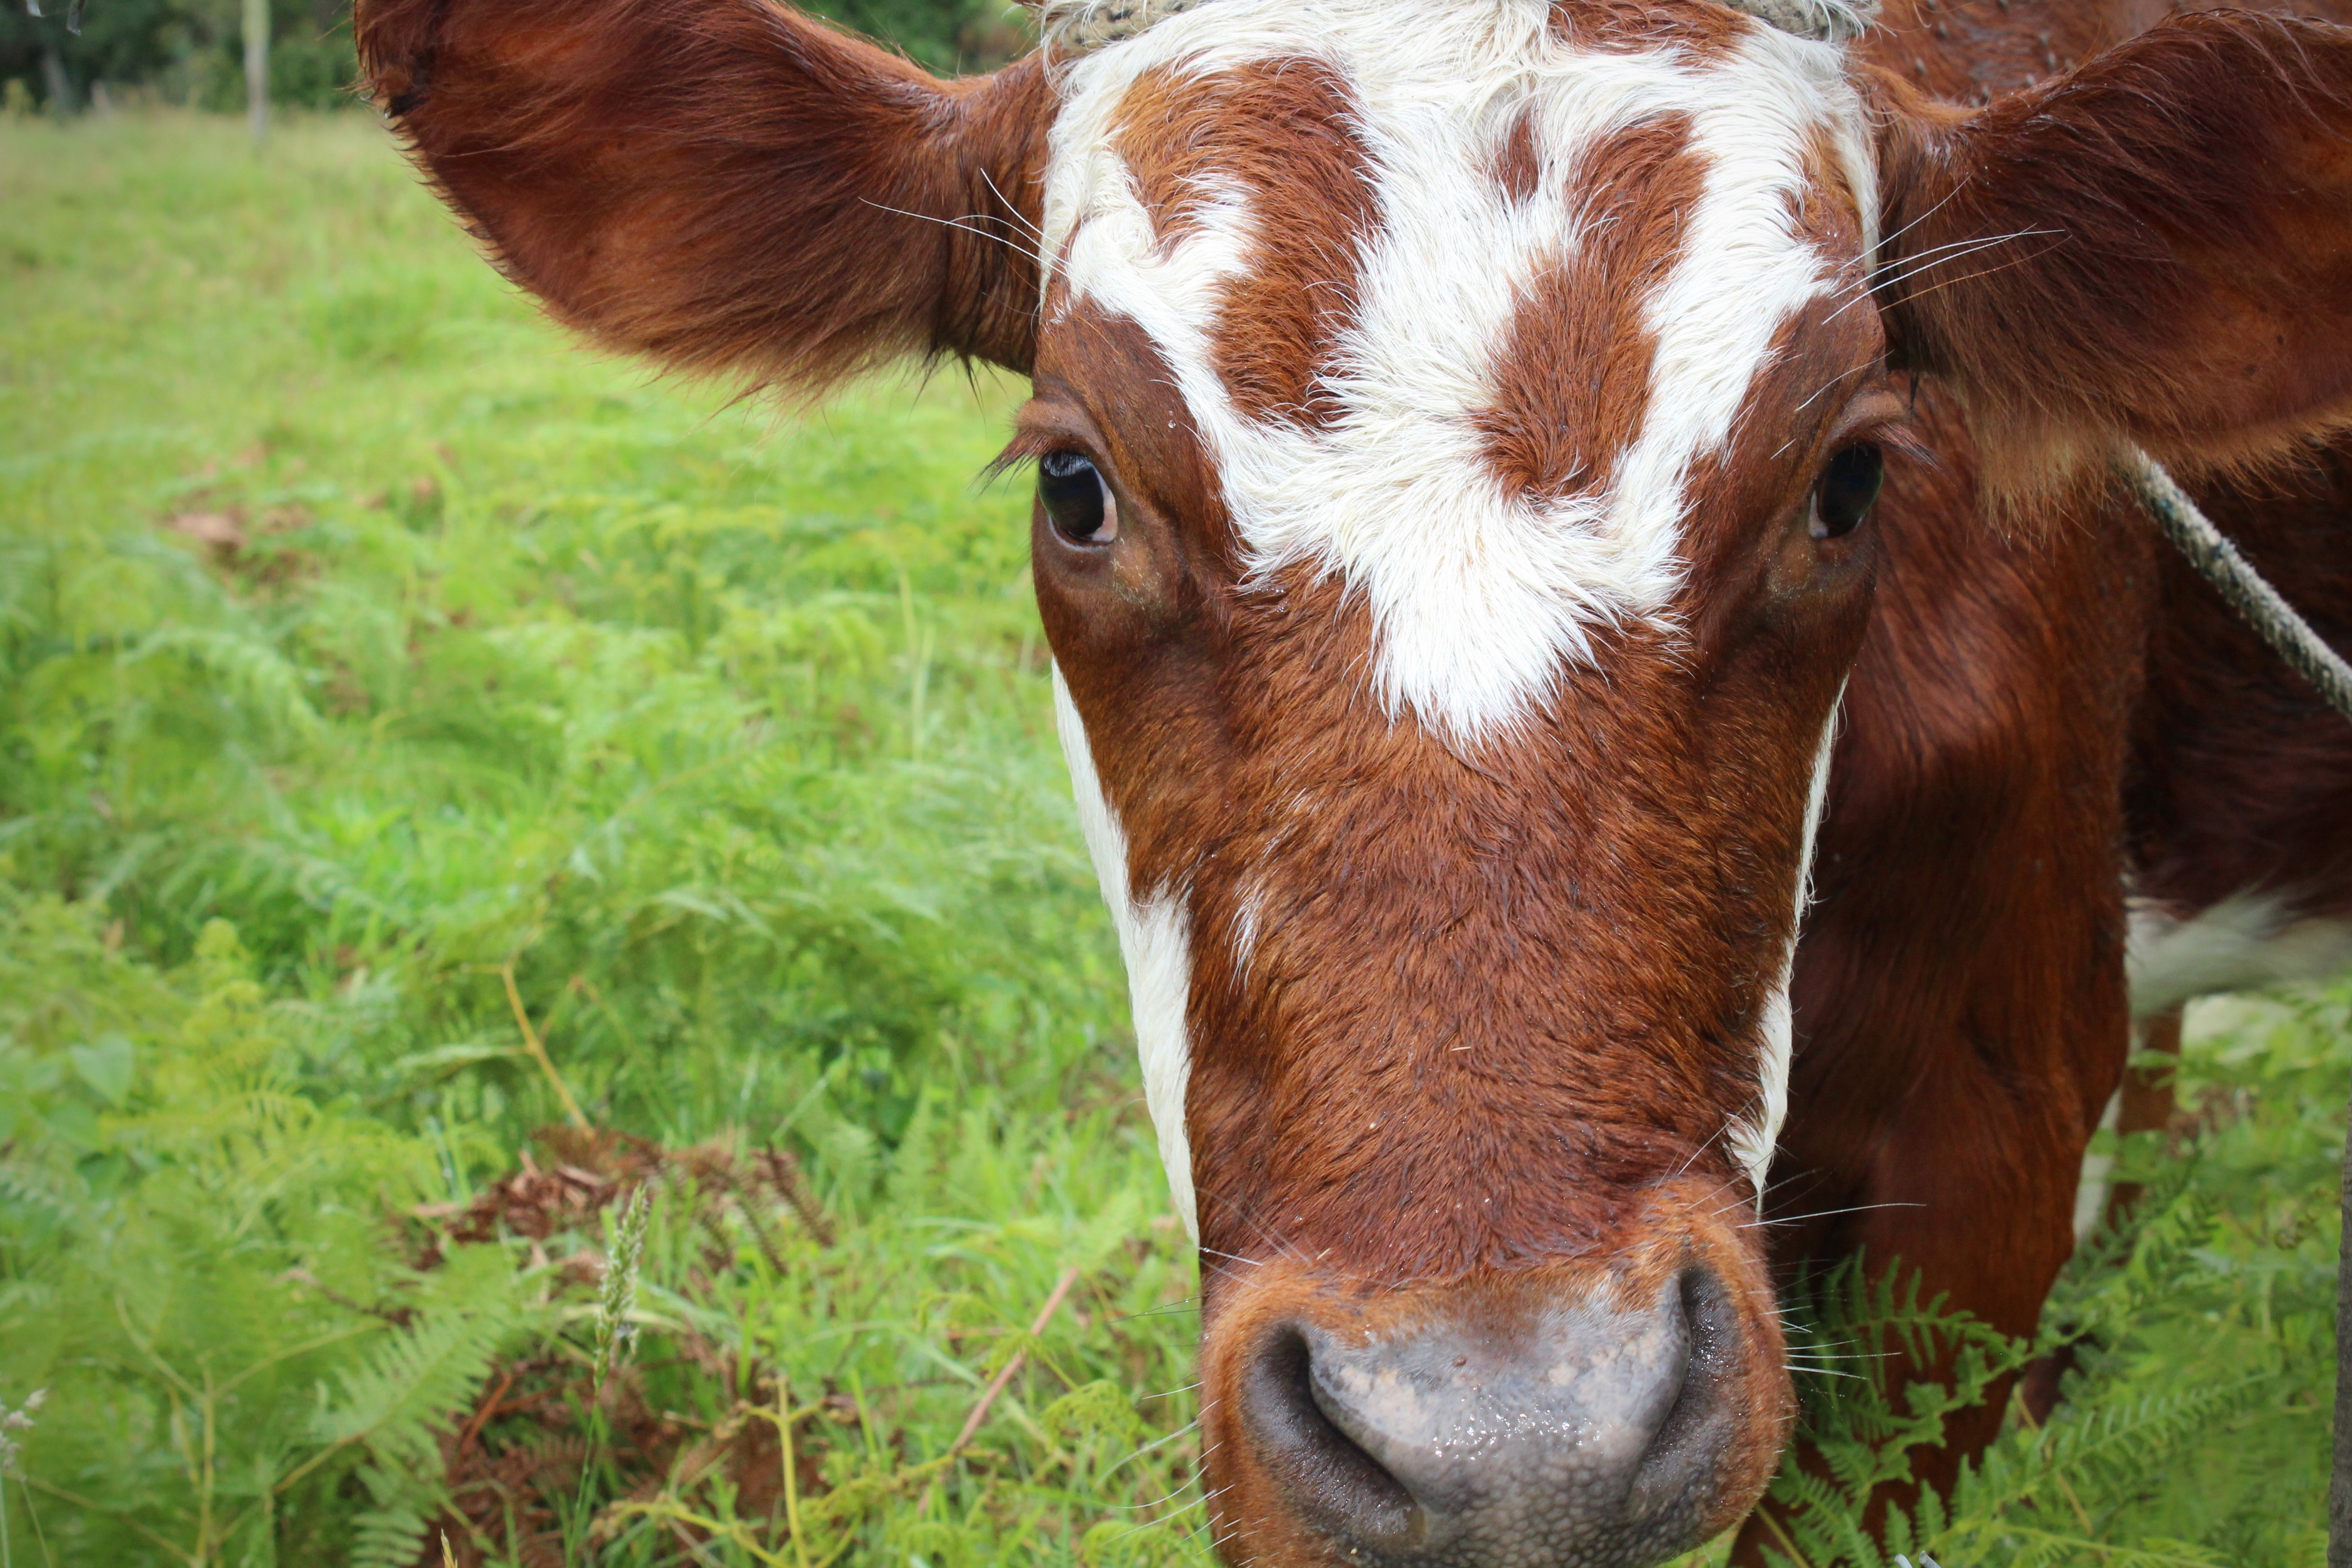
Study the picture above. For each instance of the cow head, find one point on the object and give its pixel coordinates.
(1457, 424)
(1453, 427)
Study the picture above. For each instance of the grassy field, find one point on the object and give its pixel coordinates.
(471, 811)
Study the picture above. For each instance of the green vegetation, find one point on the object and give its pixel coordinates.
(178, 51)
(2195, 1428)
(343, 602)
(470, 810)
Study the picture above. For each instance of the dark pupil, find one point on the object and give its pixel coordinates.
(1848, 486)
(1073, 494)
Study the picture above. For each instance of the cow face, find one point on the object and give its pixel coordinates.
(1457, 438)
(1457, 423)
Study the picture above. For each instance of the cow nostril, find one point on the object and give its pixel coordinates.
(1326, 1475)
(1690, 1439)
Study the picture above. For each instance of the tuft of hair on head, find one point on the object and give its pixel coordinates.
(1074, 28)
(1827, 21)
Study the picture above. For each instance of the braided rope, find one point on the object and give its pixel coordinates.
(1825, 21)
(1081, 26)
(2248, 593)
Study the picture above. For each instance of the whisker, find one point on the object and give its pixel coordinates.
(1949, 196)
(1910, 263)
(965, 223)
(1824, 1214)
(1825, 387)
(1156, 1442)
(1236, 1256)
(1987, 272)
(1700, 1148)
(1189, 1304)
(1911, 266)
(1034, 232)
(1274, 1241)
(1132, 1507)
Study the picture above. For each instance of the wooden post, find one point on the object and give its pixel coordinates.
(2149, 1102)
(53, 77)
(256, 69)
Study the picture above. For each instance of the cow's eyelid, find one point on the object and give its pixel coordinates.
(1880, 415)
(1044, 424)
(1023, 448)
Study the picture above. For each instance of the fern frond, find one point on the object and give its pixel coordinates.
(2086, 1449)
(271, 686)
(396, 1407)
(2023, 1545)
(399, 1400)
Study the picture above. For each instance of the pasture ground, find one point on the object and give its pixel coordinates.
(450, 782)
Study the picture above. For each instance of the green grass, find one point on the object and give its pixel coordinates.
(725, 736)
(730, 734)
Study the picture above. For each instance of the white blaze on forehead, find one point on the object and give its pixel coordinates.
(1754, 1138)
(1479, 594)
(1155, 941)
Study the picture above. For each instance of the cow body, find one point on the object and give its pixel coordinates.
(1559, 812)
(2060, 765)
(2072, 792)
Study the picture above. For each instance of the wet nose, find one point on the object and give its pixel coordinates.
(1585, 1433)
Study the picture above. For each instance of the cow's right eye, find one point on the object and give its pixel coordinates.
(1072, 491)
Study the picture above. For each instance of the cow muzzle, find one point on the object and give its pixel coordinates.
(1524, 1422)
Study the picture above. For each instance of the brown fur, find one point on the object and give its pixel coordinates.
(1699, 32)
(1574, 377)
(1282, 130)
(1959, 990)
(1550, 963)
(1519, 163)
(1970, 51)
(1420, 968)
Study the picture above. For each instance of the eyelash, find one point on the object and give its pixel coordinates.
(1028, 447)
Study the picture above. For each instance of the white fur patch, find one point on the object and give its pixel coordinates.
(1248, 914)
(1155, 941)
(2239, 944)
(2243, 943)
(1480, 595)
(1753, 1139)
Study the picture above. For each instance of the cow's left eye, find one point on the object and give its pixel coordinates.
(1846, 490)
(1075, 497)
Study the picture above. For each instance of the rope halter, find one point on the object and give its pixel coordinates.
(1076, 27)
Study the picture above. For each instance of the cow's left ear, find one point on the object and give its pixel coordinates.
(726, 184)
(2155, 247)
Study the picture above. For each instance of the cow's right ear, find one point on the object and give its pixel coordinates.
(726, 184)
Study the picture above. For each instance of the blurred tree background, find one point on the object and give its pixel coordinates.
(190, 52)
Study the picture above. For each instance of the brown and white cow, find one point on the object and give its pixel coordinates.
(1459, 424)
